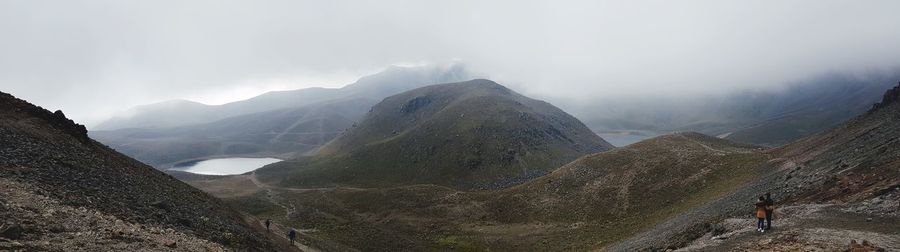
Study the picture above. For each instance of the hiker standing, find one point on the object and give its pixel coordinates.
(761, 214)
(268, 222)
(770, 208)
(292, 235)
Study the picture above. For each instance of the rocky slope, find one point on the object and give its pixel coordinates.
(474, 134)
(854, 166)
(64, 191)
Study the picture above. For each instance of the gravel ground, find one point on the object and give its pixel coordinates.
(805, 227)
(36, 222)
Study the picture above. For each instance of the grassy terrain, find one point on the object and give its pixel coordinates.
(468, 135)
(656, 194)
(587, 204)
(257, 205)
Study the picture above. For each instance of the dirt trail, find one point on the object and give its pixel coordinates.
(281, 232)
(278, 229)
(707, 147)
(807, 227)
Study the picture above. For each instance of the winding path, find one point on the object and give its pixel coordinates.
(271, 195)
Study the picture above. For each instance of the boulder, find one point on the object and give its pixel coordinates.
(12, 231)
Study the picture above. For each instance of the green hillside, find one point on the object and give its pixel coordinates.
(469, 135)
(587, 204)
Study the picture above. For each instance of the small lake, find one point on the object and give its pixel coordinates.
(225, 166)
(621, 138)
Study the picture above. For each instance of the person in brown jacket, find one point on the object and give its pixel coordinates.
(761, 214)
(770, 209)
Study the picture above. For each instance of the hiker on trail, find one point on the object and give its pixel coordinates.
(268, 222)
(761, 214)
(770, 208)
(292, 235)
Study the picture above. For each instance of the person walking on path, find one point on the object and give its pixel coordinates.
(292, 235)
(770, 208)
(268, 222)
(761, 214)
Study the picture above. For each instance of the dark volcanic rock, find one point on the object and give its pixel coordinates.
(12, 231)
(160, 204)
(57, 119)
(415, 104)
(891, 96)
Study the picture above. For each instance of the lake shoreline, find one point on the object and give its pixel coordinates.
(224, 166)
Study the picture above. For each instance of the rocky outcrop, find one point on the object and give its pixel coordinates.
(415, 104)
(890, 97)
(57, 119)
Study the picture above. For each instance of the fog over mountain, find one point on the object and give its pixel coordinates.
(94, 58)
(767, 116)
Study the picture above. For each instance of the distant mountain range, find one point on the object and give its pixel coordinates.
(761, 117)
(470, 135)
(287, 124)
(282, 124)
(375, 87)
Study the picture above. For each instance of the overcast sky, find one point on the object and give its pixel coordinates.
(92, 58)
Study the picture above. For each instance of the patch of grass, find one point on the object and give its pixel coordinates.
(457, 243)
(255, 204)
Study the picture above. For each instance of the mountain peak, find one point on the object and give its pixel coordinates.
(474, 134)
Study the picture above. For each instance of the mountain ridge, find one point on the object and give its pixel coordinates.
(404, 78)
(280, 124)
(468, 131)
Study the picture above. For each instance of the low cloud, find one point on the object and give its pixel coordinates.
(92, 58)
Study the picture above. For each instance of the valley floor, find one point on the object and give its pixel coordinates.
(872, 224)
